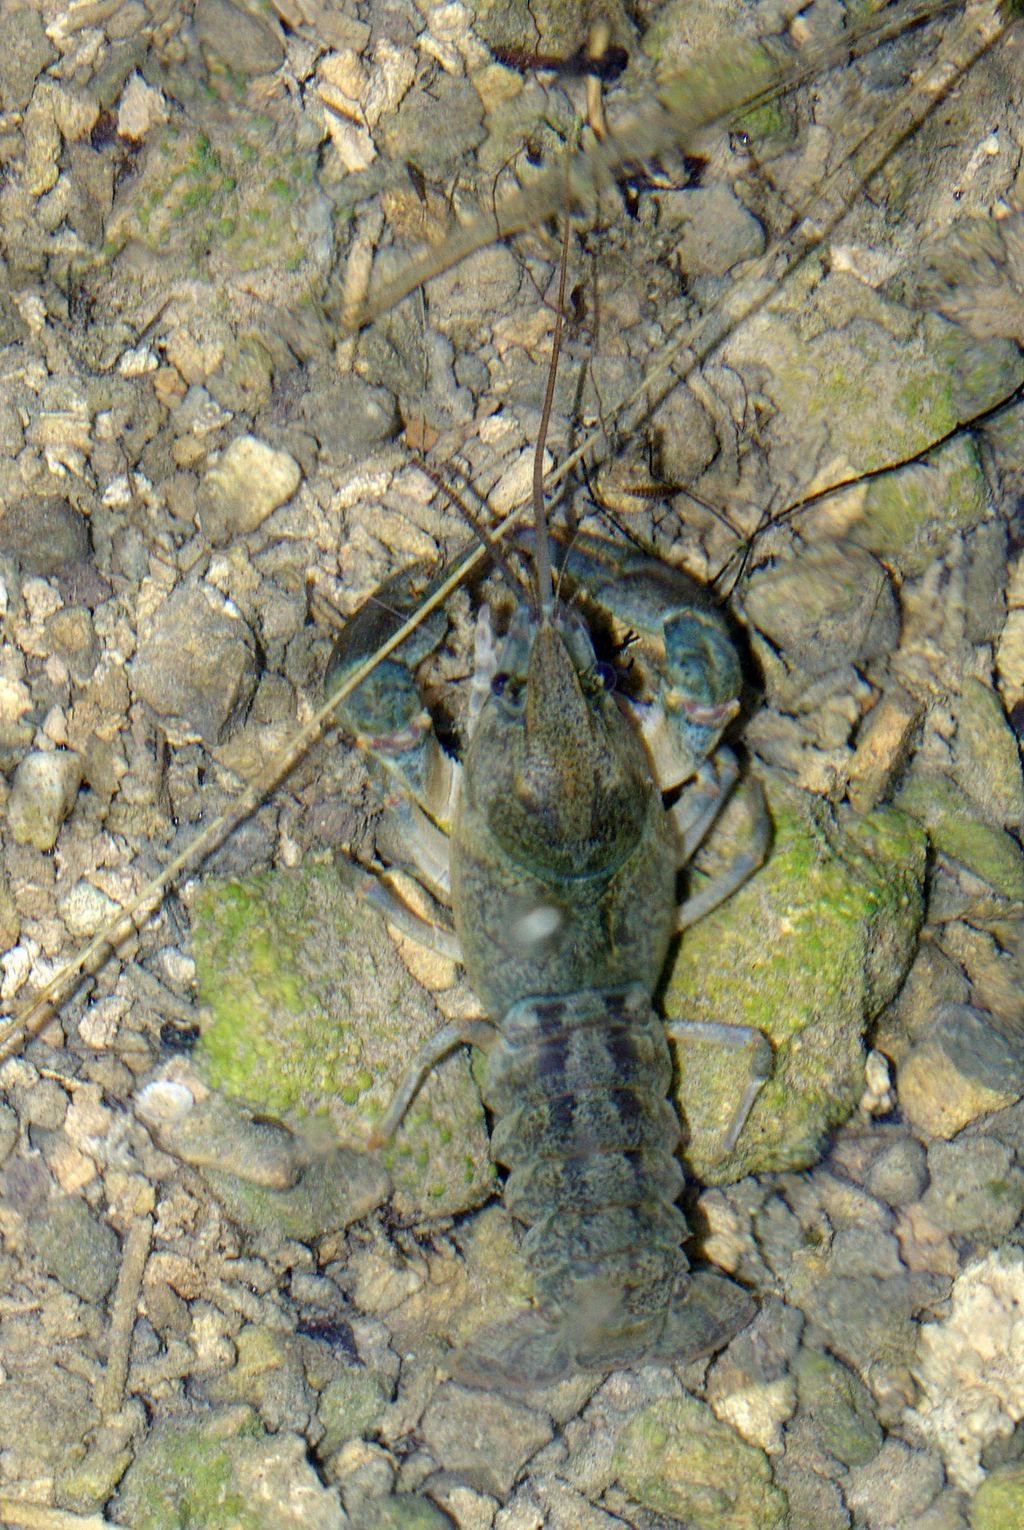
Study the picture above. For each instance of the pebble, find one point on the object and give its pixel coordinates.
(824, 610)
(268, 1375)
(751, 1386)
(71, 634)
(42, 795)
(986, 756)
(45, 1410)
(899, 1173)
(676, 1459)
(961, 1067)
(8, 1132)
(247, 482)
(717, 233)
(347, 415)
(232, 1461)
(970, 1365)
(975, 1191)
(139, 107)
(246, 40)
(43, 533)
(959, 829)
(350, 1405)
(836, 1405)
(25, 51)
(883, 744)
(487, 1447)
(197, 666)
(895, 1487)
(75, 1247)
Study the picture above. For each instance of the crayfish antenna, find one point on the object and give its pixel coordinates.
(545, 594)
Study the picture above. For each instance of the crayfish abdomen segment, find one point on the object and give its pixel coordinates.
(578, 1085)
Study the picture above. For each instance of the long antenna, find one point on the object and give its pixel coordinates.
(545, 595)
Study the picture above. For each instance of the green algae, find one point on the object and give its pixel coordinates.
(859, 383)
(313, 1018)
(675, 1458)
(184, 1477)
(807, 952)
(998, 1503)
(958, 829)
(909, 514)
(229, 197)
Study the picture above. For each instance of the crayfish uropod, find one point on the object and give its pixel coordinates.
(553, 847)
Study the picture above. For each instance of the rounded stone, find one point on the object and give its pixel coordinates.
(999, 1502)
(247, 483)
(42, 795)
(899, 1174)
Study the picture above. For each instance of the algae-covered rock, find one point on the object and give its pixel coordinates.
(957, 828)
(858, 383)
(839, 1408)
(909, 515)
(808, 951)
(988, 764)
(314, 1019)
(350, 1406)
(227, 194)
(817, 614)
(999, 1502)
(675, 1458)
(963, 1065)
(220, 1471)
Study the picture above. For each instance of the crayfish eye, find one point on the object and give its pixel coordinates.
(510, 690)
(605, 674)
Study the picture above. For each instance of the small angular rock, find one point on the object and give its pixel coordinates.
(486, 1445)
(197, 666)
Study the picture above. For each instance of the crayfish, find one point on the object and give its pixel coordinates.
(552, 845)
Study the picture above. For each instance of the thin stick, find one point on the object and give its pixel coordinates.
(122, 1314)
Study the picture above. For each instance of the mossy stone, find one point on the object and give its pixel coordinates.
(957, 828)
(839, 1406)
(350, 1405)
(998, 1503)
(807, 952)
(189, 1465)
(313, 1018)
(675, 1458)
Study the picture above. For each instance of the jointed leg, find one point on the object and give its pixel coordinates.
(458, 1033)
(702, 799)
(738, 1036)
(740, 868)
(375, 890)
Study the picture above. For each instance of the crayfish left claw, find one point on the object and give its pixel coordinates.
(384, 714)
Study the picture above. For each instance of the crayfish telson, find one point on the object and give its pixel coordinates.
(556, 853)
